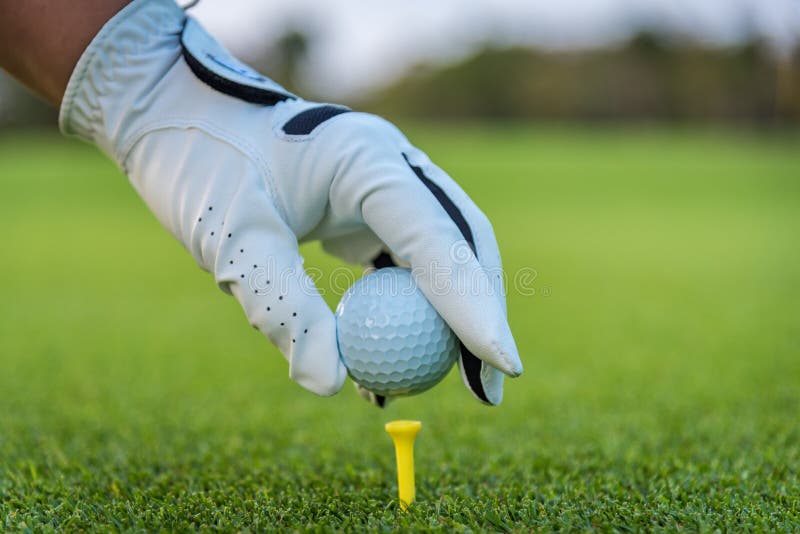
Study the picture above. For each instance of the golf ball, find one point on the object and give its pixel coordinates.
(391, 339)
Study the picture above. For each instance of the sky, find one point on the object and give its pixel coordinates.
(362, 44)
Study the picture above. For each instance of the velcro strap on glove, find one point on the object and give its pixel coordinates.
(216, 67)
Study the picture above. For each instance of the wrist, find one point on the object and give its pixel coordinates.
(41, 41)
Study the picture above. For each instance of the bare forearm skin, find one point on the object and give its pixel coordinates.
(42, 40)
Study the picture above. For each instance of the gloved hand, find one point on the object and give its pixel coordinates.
(239, 170)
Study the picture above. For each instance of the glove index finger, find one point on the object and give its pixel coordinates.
(424, 225)
(483, 380)
(460, 286)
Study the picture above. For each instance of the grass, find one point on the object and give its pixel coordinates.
(662, 351)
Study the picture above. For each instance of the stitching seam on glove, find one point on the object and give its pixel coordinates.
(247, 150)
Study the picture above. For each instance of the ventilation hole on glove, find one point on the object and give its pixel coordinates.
(256, 291)
(255, 266)
(242, 276)
(305, 331)
(280, 298)
(294, 314)
(210, 208)
(212, 233)
(268, 281)
(230, 235)
(231, 262)
(293, 340)
(282, 324)
(199, 219)
(268, 308)
(241, 250)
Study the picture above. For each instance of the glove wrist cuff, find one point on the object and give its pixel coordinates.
(112, 64)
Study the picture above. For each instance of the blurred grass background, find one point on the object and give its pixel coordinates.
(661, 347)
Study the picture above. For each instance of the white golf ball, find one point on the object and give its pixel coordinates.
(391, 339)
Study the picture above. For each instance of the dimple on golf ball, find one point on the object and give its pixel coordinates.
(391, 339)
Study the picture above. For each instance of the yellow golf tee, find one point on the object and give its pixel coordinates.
(403, 434)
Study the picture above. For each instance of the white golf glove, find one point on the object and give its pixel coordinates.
(239, 171)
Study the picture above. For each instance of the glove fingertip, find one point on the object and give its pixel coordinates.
(481, 379)
(322, 384)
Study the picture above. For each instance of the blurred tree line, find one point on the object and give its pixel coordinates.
(649, 78)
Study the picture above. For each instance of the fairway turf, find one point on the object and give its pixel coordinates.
(661, 350)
